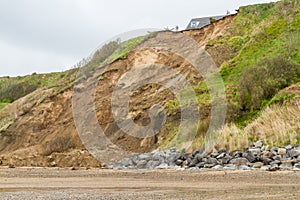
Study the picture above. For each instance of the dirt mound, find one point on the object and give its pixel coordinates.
(39, 130)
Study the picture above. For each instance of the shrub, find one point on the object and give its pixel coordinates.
(263, 81)
(106, 51)
(12, 90)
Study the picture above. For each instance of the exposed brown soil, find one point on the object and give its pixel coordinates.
(54, 183)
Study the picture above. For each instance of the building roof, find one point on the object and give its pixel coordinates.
(201, 22)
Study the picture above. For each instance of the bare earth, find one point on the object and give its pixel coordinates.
(54, 183)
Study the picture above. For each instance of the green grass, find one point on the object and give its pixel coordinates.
(13, 88)
(2, 105)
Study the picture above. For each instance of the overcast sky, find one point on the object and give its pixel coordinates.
(52, 35)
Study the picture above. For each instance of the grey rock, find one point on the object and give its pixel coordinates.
(294, 153)
(141, 164)
(146, 157)
(194, 162)
(222, 155)
(152, 164)
(162, 166)
(258, 144)
(265, 160)
(212, 161)
(249, 156)
(286, 165)
(172, 158)
(127, 162)
(214, 155)
(289, 147)
(226, 159)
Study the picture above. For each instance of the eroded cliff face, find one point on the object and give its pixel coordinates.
(39, 129)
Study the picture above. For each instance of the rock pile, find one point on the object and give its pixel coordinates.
(257, 156)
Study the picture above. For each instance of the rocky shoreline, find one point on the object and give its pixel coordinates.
(256, 156)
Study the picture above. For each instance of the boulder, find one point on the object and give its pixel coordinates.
(258, 164)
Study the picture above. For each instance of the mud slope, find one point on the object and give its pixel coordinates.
(39, 130)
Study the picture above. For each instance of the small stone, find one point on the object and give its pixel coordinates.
(277, 158)
(162, 166)
(109, 167)
(53, 164)
(195, 153)
(255, 151)
(230, 167)
(296, 167)
(281, 151)
(200, 164)
(289, 147)
(258, 165)
(274, 167)
(243, 167)
(179, 162)
(267, 154)
(209, 165)
(239, 161)
(265, 167)
(218, 167)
